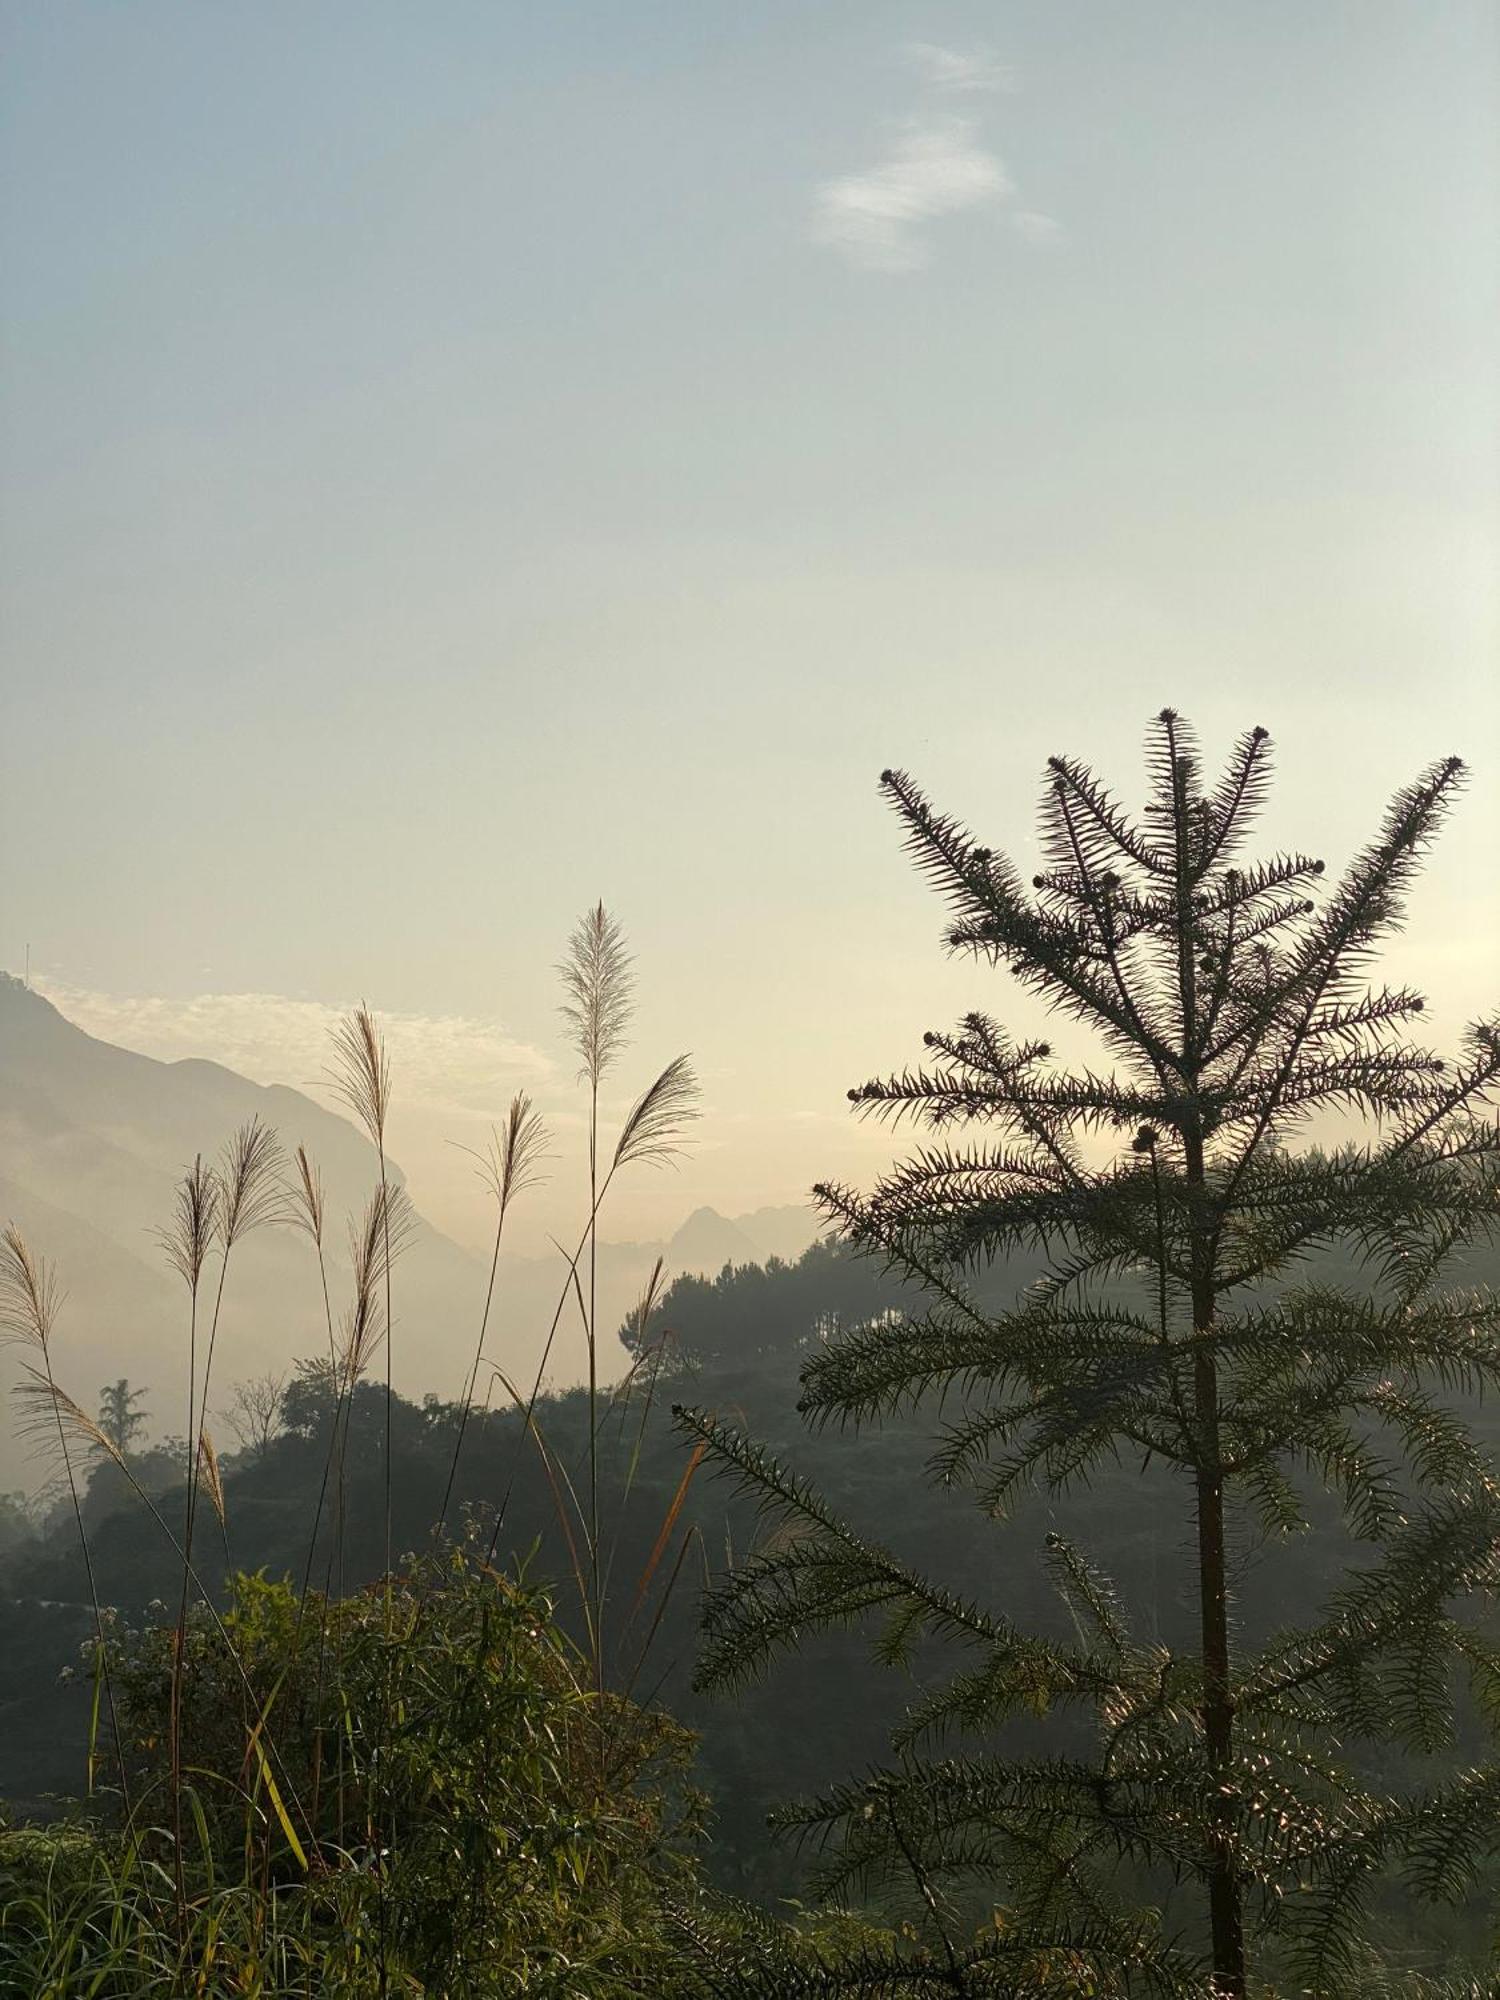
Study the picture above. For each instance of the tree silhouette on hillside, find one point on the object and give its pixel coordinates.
(1178, 1326)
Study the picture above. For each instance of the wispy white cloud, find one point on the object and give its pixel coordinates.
(452, 1063)
(959, 70)
(1034, 226)
(875, 217)
(937, 165)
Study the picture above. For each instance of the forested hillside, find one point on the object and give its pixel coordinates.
(735, 1344)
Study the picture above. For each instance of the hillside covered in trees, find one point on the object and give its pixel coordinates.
(734, 1344)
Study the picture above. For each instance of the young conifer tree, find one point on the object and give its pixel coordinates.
(1264, 1320)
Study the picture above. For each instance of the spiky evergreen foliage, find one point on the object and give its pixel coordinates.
(1188, 1320)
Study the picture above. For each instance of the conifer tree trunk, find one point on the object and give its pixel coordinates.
(1225, 1913)
(1225, 1918)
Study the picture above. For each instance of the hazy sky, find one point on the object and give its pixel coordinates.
(460, 460)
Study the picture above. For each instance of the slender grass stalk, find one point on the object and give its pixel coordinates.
(645, 1306)
(555, 1471)
(693, 1535)
(648, 1365)
(511, 1164)
(598, 1005)
(374, 1243)
(218, 1205)
(308, 1209)
(361, 1076)
(187, 1241)
(653, 1134)
(249, 1196)
(592, 1340)
(387, 1223)
(563, 1492)
(30, 1301)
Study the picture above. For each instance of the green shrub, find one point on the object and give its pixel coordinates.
(408, 1790)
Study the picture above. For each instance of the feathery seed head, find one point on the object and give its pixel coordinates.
(375, 1242)
(50, 1416)
(190, 1235)
(512, 1161)
(29, 1294)
(597, 983)
(212, 1478)
(250, 1193)
(360, 1074)
(653, 1130)
(306, 1192)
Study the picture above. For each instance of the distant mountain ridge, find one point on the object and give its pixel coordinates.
(93, 1141)
(708, 1241)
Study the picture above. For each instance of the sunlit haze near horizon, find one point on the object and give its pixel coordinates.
(461, 462)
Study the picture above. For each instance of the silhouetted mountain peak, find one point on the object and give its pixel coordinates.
(708, 1241)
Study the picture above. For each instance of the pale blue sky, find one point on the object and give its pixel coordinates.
(459, 460)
